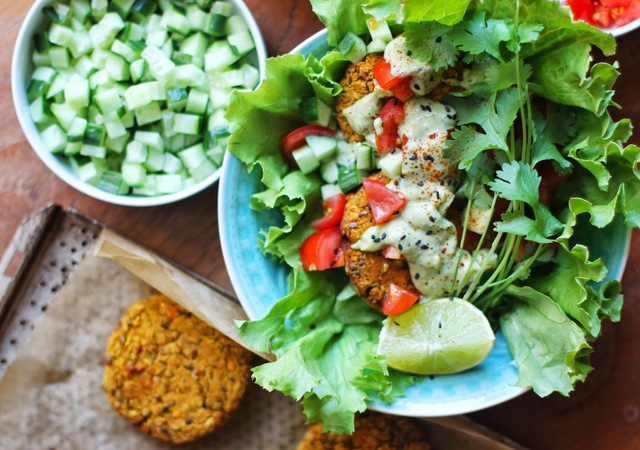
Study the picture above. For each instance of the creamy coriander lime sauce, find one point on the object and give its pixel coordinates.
(421, 232)
(363, 112)
(424, 79)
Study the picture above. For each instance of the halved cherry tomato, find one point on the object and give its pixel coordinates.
(398, 300)
(384, 202)
(403, 91)
(322, 250)
(392, 114)
(333, 211)
(382, 74)
(296, 139)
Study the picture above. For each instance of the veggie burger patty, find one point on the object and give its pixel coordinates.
(172, 374)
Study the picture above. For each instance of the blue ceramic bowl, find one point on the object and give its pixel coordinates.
(260, 282)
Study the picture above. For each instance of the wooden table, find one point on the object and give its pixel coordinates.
(603, 413)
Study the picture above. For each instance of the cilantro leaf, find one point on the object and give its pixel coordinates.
(494, 113)
(477, 35)
(446, 12)
(502, 76)
(429, 43)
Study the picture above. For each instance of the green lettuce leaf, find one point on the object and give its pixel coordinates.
(549, 349)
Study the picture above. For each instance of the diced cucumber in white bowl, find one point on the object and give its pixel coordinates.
(125, 100)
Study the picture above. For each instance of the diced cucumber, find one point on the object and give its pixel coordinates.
(95, 134)
(84, 67)
(94, 151)
(187, 123)
(329, 190)
(235, 24)
(143, 8)
(139, 95)
(364, 157)
(136, 70)
(168, 184)
(160, 66)
(150, 138)
(329, 172)
(323, 146)
(115, 129)
(60, 35)
(133, 174)
(54, 138)
(376, 46)
(352, 47)
(72, 148)
(193, 156)
(197, 18)
(177, 98)
(219, 56)
(89, 172)
(241, 43)
(306, 159)
(188, 75)
(104, 32)
(391, 164)
(77, 129)
(117, 67)
(197, 102)
(315, 111)
(205, 169)
(148, 113)
(59, 57)
(112, 182)
(175, 19)
(76, 92)
(379, 29)
(348, 178)
(108, 100)
(122, 7)
(39, 114)
(81, 9)
(64, 114)
(154, 161)
(172, 164)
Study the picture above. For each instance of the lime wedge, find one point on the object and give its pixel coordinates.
(436, 337)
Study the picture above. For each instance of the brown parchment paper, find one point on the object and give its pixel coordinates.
(52, 398)
(52, 395)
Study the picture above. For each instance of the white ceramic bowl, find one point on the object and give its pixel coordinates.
(21, 70)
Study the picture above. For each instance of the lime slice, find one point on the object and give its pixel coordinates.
(436, 337)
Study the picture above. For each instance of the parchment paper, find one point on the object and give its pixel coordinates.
(52, 395)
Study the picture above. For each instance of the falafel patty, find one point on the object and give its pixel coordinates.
(372, 431)
(356, 83)
(370, 272)
(172, 374)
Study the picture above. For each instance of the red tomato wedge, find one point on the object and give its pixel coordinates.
(384, 202)
(333, 211)
(296, 139)
(382, 74)
(398, 300)
(403, 91)
(322, 250)
(392, 114)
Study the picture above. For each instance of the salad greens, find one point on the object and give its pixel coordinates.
(533, 97)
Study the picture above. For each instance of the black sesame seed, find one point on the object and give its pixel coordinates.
(376, 240)
(449, 116)
(420, 183)
(416, 276)
(424, 246)
(432, 219)
(439, 39)
(333, 263)
(373, 237)
(455, 117)
(425, 108)
(384, 235)
(446, 108)
(416, 87)
(403, 237)
(441, 182)
(438, 195)
(335, 251)
(399, 246)
(409, 52)
(429, 232)
(418, 242)
(413, 157)
(439, 324)
(395, 213)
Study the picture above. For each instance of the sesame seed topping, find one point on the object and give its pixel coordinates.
(413, 157)
(416, 276)
(439, 39)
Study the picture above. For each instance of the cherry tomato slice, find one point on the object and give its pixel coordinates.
(296, 139)
(322, 250)
(382, 74)
(398, 300)
(333, 211)
(392, 114)
(403, 91)
(384, 202)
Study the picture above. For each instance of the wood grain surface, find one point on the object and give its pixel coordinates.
(603, 413)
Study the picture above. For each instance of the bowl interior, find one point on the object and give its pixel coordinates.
(21, 69)
(260, 282)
